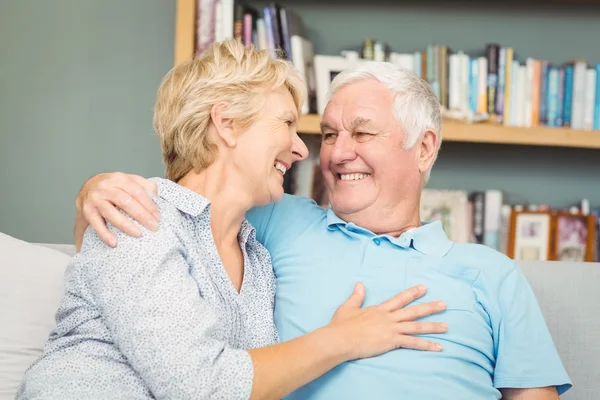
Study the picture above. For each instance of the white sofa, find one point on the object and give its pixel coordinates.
(31, 287)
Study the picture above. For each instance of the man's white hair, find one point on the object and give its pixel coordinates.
(417, 108)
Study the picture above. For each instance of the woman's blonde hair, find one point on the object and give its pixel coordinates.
(225, 72)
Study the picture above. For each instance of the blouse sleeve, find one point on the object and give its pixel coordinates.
(158, 320)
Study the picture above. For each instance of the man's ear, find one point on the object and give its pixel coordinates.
(427, 151)
(223, 125)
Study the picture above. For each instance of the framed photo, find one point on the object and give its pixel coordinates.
(326, 68)
(574, 237)
(450, 207)
(530, 235)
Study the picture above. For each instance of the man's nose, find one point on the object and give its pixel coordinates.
(343, 149)
(299, 149)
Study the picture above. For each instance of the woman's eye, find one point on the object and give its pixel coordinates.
(289, 122)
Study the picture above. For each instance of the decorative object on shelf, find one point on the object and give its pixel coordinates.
(326, 68)
(530, 235)
(574, 237)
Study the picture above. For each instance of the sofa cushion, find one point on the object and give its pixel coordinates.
(568, 295)
(31, 286)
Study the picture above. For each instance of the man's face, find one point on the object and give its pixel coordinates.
(363, 160)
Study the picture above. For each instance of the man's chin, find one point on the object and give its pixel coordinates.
(346, 207)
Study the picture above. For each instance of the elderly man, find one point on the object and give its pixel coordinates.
(381, 136)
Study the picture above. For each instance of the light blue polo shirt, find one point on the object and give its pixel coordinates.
(497, 337)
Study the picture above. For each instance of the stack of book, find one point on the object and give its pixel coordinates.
(274, 28)
(529, 94)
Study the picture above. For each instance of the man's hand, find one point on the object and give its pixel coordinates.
(101, 195)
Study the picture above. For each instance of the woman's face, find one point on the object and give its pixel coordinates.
(270, 146)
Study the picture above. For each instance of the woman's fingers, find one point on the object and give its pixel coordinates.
(402, 299)
(415, 312)
(415, 343)
(421, 328)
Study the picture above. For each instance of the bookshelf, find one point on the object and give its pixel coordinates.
(494, 133)
(452, 131)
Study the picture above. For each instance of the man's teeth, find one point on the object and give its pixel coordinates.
(353, 177)
(280, 167)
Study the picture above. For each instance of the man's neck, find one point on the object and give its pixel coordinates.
(392, 221)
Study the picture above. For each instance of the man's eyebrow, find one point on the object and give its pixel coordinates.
(325, 126)
(360, 122)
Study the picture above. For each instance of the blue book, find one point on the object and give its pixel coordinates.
(568, 95)
(597, 100)
(473, 83)
(552, 97)
(561, 96)
(544, 93)
(501, 83)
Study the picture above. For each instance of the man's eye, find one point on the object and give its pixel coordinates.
(289, 122)
(362, 136)
(329, 137)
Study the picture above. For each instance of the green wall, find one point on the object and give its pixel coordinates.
(78, 80)
(77, 84)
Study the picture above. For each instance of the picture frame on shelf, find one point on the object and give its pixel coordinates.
(574, 237)
(326, 68)
(531, 235)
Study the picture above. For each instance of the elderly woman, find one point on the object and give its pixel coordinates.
(186, 311)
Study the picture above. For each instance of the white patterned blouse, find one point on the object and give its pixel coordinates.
(157, 316)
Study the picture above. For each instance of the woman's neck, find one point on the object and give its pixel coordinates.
(222, 186)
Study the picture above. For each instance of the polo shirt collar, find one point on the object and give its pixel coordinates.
(429, 238)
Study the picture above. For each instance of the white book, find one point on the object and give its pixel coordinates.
(577, 106)
(521, 93)
(405, 61)
(453, 82)
(302, 59)
(465, 73)
(226, 19)
(514, 94)
(589, 99)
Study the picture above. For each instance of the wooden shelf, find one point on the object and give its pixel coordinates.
(494, 133)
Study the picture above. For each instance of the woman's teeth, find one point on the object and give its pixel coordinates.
(280, 167)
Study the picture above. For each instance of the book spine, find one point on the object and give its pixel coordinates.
(473, 84)
(568, 95)
(508, 82)
(597, 100)
(552, 97)
(588, 102)
(536, 89)
(499, 108)
(560, 111)
(482, 100)
(491, 54)
(544, 93)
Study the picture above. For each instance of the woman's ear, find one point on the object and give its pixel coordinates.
(223, 125)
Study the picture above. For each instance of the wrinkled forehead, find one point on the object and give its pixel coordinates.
(346, 108)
